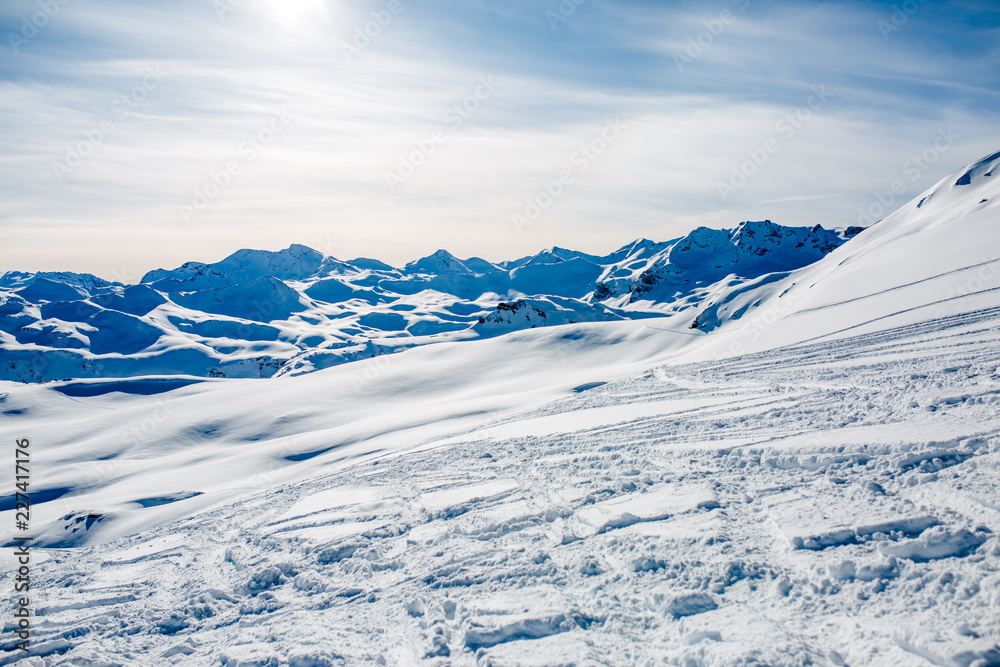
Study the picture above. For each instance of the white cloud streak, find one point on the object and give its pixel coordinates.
(323, 177)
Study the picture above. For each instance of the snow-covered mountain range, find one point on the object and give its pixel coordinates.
(258, 313)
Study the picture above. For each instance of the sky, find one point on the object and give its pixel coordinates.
(139, 135)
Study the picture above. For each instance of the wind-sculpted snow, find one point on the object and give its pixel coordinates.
(258, 313)
(799, 506)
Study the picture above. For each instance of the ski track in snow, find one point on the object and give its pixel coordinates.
(833, 503)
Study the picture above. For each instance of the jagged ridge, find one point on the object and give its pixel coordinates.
(259, 313)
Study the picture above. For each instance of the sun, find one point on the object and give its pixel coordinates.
(293, 14)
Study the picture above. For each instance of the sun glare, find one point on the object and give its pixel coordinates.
(295, 14)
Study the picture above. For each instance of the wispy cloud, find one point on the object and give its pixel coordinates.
(800, 198)
(353, 119)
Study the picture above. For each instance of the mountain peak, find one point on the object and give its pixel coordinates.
(979, 171)
(296, 262)
(972, 187)
(753, 228)
(368, 263)
(440, 261)
(17, 279)
(293, 253)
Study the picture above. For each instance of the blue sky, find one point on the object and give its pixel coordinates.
(139, 135)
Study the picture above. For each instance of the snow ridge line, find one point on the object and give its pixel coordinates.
(909, 310)
(898, 287)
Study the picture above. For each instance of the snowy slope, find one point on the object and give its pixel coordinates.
(829, 505)
(258, 313)
(794, 481)
(937, 255)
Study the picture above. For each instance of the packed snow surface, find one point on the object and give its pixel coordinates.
(827, 504)
(807, 475)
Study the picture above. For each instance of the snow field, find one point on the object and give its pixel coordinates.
(833, 504)
(809, 476)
